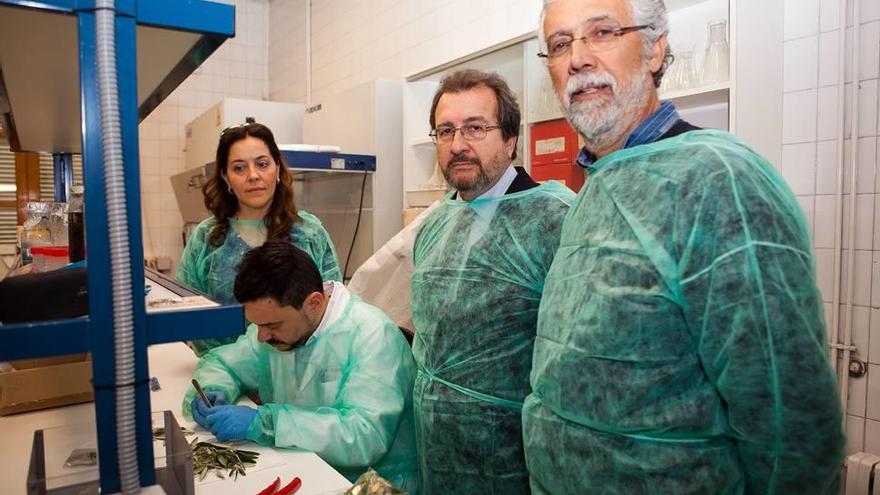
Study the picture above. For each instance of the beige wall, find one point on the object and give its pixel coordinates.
(356, 41)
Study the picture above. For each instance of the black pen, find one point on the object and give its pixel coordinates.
(201, 393)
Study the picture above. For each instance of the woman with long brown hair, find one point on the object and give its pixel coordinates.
(250, 195)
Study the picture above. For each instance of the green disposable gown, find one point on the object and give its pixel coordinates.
(681, 343)
(346, 394)
(212, 270)
(479, 270)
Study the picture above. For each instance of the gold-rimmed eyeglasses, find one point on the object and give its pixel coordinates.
(470, 132)
(599, 37)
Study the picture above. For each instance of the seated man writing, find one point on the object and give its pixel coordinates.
(334, 374)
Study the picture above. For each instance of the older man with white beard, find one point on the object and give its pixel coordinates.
(681, 346)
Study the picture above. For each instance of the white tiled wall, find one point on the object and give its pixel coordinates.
(355, 41)
(809, 150)
(287, 50)
(237, 69)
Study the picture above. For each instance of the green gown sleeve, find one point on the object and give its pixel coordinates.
(232, 369)
(327, 261)
(191, 269)
(311, 236)
(360, 425)
(752, 305)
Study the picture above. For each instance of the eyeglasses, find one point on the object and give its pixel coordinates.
(470, 132)
(600, 37)
(250, 122)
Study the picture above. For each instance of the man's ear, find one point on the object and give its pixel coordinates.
(658, 53)
(314, 301)
(510, 146)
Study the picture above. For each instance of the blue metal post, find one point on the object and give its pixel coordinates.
(101, 317)
(62, 165)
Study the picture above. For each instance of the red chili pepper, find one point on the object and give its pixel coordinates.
(290, 488)
(270, 490)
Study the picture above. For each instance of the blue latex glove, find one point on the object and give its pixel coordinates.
(230, 423)
(200, 411)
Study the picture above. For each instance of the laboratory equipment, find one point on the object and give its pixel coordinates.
(203, 132)
(48, 258)
(716, 64)
(75, 224)
(364, 120)
(48, 474)
(45, 224)
(554, 147)
(682, 73)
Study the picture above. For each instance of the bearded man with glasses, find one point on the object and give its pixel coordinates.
(479, 264)
(681, 345)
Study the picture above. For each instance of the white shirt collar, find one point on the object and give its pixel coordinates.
(339, 297)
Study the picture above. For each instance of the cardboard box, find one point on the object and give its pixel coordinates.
(50, 384)
(26, 364)
(410, 214)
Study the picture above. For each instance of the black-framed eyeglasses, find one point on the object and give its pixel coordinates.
(600, 37)
(470, 132)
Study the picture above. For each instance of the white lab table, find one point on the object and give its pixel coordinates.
(173, 364)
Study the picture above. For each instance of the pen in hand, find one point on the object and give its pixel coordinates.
(201, 393)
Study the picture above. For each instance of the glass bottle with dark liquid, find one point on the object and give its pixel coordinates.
(76, 225)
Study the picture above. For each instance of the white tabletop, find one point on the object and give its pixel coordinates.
(173, 365)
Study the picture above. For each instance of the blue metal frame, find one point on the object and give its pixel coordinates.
(62, 167)
(95, 333)
(53, 338)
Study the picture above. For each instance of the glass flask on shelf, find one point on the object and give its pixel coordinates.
(716, 64)
(682, 74)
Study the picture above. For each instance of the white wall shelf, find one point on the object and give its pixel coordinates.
(704, 95)
(675, 5)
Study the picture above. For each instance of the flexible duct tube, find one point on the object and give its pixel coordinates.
(117, 222)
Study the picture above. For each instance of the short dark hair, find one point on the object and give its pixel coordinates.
(279, 270)
(506, 107)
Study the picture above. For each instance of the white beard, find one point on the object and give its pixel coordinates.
(603, 122)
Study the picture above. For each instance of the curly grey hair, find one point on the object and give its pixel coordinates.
(651, 12)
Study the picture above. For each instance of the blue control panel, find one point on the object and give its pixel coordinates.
(324, 161)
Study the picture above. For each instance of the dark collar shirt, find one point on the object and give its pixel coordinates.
(652, 129)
